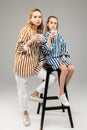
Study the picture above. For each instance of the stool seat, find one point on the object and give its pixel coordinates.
(45, 98)
(46, 66)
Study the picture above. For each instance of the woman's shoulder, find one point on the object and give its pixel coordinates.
(23, 28)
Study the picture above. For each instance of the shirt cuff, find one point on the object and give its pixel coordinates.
(49, 47)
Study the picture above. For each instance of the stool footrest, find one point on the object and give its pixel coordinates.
(56, 107)
(51, 97)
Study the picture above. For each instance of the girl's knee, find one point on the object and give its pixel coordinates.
(63, 69)
(71, 68)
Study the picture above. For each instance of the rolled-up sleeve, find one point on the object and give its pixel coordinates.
(21, 43)
(45, 48)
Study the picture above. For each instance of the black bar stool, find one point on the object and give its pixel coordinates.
(45, 98)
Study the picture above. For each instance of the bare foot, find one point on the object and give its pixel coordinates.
(35, 93)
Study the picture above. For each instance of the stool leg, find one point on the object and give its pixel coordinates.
(69, 110)
(58, 71)
(39, 104)
(70, 117)
(44, 100)
(65, 90)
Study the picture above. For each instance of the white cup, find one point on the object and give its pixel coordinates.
(55, 31)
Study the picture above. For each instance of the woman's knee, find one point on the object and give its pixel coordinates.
(52, 79)
(42, 74)
(21, 80)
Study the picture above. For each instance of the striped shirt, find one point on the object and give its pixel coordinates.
(27, 58)
(54, 53)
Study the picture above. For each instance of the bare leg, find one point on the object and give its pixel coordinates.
(70, 72)
(26, 120)
(62, 78)
(35, 93)
(25, 112)
(62, 96)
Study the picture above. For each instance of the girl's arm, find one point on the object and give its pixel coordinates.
(46, 43)
(63, 48)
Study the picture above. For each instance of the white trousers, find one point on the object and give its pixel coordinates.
(22, 84)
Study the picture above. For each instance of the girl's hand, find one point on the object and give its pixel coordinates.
(52, 34)
(63, 58)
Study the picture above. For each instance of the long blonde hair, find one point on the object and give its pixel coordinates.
(31, 25)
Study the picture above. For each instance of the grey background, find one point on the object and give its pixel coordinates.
(72, 25)
(72, 15)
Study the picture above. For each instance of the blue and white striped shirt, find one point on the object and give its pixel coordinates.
(53, 54)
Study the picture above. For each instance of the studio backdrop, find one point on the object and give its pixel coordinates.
(72, 25)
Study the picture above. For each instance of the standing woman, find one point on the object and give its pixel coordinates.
(28, 55)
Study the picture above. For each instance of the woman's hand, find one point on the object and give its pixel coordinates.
(37, 38)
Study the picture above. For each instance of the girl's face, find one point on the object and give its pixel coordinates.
(36, 18)
(52, 24)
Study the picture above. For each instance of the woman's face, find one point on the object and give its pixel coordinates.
(36, 18)
(52, 24)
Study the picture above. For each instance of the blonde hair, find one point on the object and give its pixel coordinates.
(31, 25)
(47, 28)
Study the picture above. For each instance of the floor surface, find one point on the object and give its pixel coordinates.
(11, 119)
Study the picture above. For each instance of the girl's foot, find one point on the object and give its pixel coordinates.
(64, 100)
